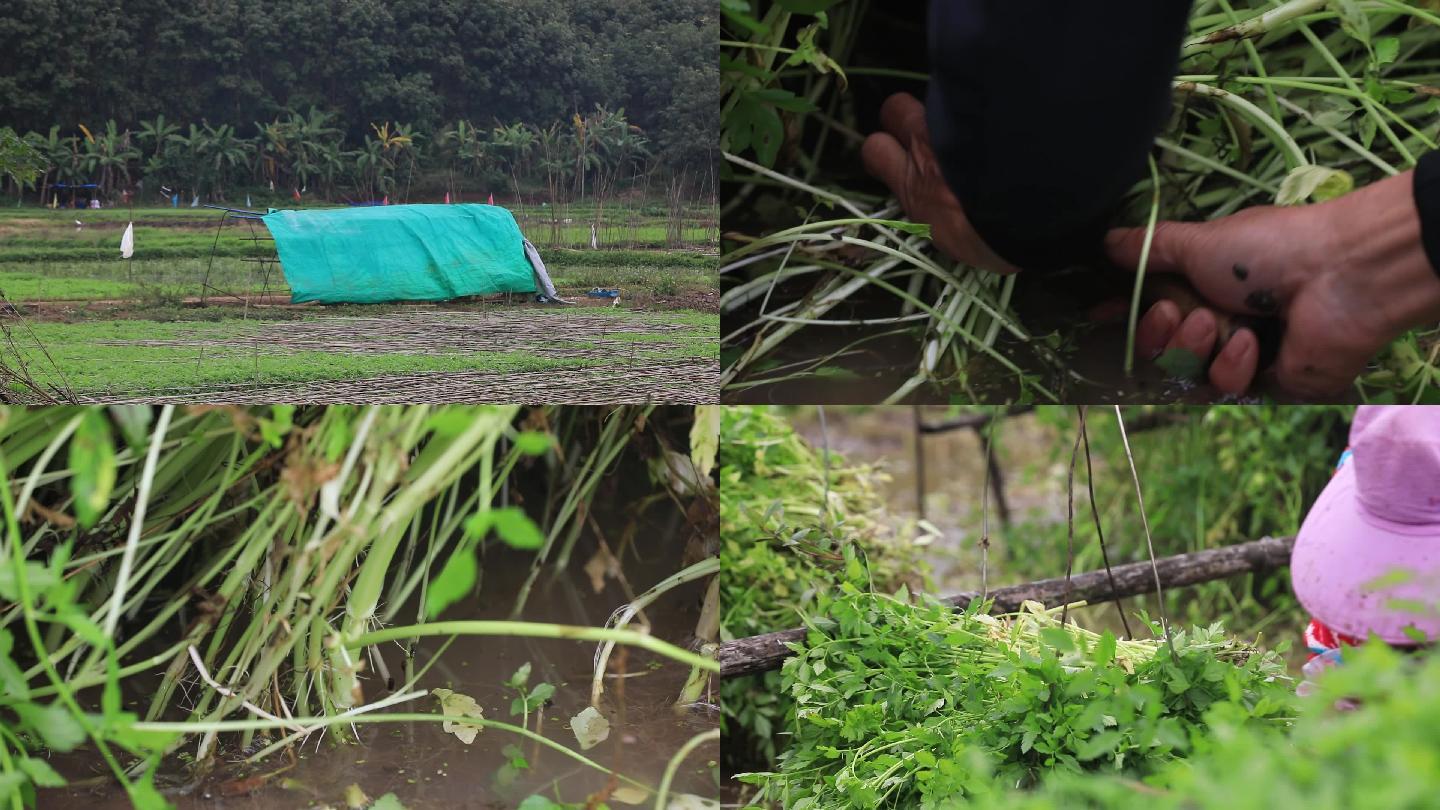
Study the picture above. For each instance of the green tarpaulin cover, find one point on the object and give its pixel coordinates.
(400, 253)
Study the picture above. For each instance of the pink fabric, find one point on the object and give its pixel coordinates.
(1372, 539)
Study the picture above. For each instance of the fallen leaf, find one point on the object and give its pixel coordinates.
(590, 727)
(629, 795)
(355, 798)
(454, 704)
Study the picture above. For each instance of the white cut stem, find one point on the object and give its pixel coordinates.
(137, 520)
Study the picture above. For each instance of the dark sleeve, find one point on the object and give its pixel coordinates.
(1041, 114)
(1427, 202)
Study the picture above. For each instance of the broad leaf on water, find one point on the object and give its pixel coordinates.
(454, 704)
(590, 727)
(630, 795)
(388, 802)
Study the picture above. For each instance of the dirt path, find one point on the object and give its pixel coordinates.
(683, 382)
(545, 333)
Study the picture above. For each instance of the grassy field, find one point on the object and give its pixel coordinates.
(86, 323)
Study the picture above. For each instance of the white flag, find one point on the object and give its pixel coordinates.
(127, 242)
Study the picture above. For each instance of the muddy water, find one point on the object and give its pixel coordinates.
(428, 768)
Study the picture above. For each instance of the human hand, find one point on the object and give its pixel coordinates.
(901, 156)
(1347, 276)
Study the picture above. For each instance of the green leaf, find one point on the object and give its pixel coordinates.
(590, 727)
(92, 466)
(41, 773)
(517, 529)
(533, 442)
(134, 422)
(12, 679)
(144, 796)
(1057, 638)
(807, 52)
(1099, 744)
(10, 783)
(1105, 649)
(110, 706)
(755, 126)
(54, 723)
(705, 438)
(453, 582)
(541, 693)
(521, 676)
(1352, 20)
(1320, 182)
(388, 802)
(1386, 50)
(1181, 364)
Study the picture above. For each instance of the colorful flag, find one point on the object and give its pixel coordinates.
(385, 201)
(447, 198)
(492, 198)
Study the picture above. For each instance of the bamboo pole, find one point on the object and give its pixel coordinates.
(748, 656)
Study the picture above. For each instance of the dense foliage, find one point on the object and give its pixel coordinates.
(1383, 754)
(793, 527)
(904, 705)
(144, 76)
(1300, 101)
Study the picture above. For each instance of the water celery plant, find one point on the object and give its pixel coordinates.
(264, 555)
(897, 704)
(1274, 103)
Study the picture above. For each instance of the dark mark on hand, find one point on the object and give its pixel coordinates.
(1262, 301)
(1241, 272)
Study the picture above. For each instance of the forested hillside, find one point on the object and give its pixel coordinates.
(425, 67)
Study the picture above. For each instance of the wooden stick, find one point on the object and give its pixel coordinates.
(747, 656)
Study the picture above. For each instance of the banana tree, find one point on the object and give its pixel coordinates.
(514, 144)
(227, 153)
